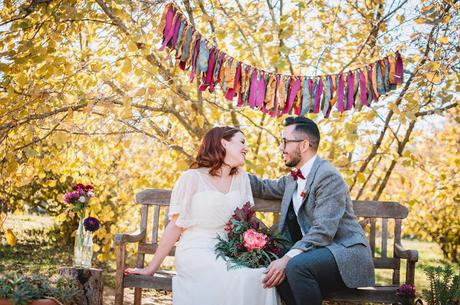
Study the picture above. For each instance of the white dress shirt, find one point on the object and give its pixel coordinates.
(297, 199)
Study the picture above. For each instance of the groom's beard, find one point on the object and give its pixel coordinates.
(294, 160)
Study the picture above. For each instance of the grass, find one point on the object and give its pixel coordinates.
(35, 253)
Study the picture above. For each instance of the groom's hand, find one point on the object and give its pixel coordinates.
(275, 273)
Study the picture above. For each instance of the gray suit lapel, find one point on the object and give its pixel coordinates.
(310, 178)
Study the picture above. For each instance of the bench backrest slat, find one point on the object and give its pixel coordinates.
(143, 225)
(155, 223)
(372, 236)
(384, 236)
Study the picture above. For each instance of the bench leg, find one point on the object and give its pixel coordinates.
(119, 295)
(119, 289)
(137, 296)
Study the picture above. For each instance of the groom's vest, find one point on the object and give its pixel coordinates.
(293, 224)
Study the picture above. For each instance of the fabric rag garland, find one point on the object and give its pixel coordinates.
(274, 93)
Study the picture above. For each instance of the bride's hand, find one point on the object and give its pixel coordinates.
(143, 271)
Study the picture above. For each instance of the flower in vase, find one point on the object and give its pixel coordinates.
(91, 224)
(85, 188)
(72, 197)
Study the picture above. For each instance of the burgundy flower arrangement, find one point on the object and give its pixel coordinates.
(247, 243)
(407, 293)
(78, 198)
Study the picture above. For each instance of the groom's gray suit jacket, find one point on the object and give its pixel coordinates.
(327, 218)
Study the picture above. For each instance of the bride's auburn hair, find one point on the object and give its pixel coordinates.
(211, 153)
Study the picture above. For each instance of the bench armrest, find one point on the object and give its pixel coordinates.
(410, 255)
(123, 238)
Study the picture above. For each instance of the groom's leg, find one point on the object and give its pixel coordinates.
(310, 272)
(285, 293)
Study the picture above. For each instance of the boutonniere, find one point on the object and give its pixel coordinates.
(303, 194)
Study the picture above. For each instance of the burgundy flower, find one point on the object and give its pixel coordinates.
(85, 188)
(406, 290)
(91, 224)
(254, 224)
(71, 197)
(78, 187)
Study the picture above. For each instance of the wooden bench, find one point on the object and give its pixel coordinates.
(378, 219)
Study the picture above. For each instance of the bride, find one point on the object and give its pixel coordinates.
(202, 201)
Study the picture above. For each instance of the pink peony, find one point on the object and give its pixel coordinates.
(254, 240)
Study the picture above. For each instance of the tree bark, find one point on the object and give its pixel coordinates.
(90, 281)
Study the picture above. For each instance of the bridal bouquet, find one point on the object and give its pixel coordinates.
(247, 243)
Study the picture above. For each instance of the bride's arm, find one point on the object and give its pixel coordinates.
(170, 235)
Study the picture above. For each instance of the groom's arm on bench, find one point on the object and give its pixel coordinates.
(268, 188)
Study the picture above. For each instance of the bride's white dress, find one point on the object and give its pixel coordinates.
(203, 279)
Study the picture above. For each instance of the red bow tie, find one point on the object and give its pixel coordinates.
(297, 174)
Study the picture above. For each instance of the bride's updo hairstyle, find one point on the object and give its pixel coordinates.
(211, 153)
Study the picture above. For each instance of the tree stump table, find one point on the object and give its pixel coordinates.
(90, 281)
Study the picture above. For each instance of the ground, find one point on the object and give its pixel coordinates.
(34, 253)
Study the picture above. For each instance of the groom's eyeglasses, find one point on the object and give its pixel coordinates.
(285, 141)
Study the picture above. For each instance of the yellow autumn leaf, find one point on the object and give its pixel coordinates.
(96, 247)
(200, 120)
(433, 77)
(444, 40)
(132, 47)
(400, 18)
(140, 92)
(127, 66)
(11, 238)
(21, 79)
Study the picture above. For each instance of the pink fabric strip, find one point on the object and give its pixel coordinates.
(169, 28)
(399, 68)
(363, 88)
(253, 89)
(231, 91)
(319, 92)
(340, 93)
(331, 94)
(208, 75)
(293, 88)
(175, 32)
(274, 111)
(261, 91)
(351, 90)
(369, 76)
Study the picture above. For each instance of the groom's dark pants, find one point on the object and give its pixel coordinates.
(309, 274)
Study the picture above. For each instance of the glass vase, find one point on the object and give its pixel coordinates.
(78, 246)
(87, 250)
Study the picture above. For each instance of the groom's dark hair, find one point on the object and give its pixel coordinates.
(306, 127)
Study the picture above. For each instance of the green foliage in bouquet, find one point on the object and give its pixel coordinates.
(444, 285)
(248, 243)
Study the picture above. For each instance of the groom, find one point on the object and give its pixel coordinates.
(330, 249)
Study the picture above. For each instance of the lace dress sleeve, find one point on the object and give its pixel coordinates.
(181, 197)
(246, 188)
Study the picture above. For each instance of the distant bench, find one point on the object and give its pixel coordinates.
(369, 212)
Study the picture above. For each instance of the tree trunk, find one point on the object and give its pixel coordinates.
(90, 281)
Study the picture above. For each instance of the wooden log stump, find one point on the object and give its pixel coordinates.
(90, 281)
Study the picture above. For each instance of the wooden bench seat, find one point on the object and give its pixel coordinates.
(375, 216)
